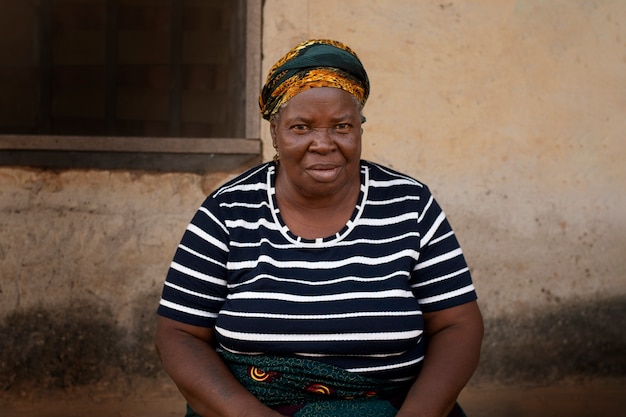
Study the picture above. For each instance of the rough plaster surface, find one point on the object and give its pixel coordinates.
(91, 235)
(83, 256)
(512, 111)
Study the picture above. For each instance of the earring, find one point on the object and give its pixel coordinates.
(276, 155)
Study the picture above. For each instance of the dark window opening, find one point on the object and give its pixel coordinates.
(129, 83)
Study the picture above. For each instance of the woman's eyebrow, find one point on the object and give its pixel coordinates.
(346, 117)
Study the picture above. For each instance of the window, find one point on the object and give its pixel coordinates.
(130, 84)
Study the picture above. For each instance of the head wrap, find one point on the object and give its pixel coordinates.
(313, 63)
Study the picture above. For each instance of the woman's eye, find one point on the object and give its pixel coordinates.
(299, 128)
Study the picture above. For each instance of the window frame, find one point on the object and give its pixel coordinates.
(170, 154)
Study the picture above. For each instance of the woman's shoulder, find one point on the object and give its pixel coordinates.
(254, 178)
(381, 176)
(248, 187)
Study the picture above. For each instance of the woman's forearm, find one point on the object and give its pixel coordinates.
(451, 358)
(202, 377)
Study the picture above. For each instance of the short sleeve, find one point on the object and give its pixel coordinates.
(195, 286)
(441, 278)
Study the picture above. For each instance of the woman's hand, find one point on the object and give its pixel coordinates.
(452, 353)
(189, 357)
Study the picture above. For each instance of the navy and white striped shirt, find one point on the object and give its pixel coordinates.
(353, 300)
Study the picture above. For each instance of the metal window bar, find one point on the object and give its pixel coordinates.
(110, 82)
(176, 55)
(44, 41)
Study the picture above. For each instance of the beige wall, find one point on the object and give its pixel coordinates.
(513, 112)
(83, 255)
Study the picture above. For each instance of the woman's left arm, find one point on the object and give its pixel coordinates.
(453, 349)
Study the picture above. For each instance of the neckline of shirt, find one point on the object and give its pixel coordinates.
(322, 241)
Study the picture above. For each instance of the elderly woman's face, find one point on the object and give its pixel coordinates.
(318, 137)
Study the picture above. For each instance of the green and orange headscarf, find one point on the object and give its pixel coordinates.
(313, 63)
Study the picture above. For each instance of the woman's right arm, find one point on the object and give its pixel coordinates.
(190, 359)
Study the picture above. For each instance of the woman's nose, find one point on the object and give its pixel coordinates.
(323, 140)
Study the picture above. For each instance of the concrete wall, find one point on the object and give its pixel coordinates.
(82, 259)
(513, 113)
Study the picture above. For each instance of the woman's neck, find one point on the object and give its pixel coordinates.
(316, 216)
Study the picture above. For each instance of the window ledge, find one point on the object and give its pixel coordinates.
(128, 153)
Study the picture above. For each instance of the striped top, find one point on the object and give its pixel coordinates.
(353, 300)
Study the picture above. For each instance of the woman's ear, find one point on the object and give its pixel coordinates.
(273, 132)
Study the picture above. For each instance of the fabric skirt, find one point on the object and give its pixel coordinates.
(305, 388)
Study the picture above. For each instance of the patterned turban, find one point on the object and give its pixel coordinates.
(313, 63)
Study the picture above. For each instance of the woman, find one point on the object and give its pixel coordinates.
(319, 284)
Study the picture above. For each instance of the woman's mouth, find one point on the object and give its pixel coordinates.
(323, 173)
